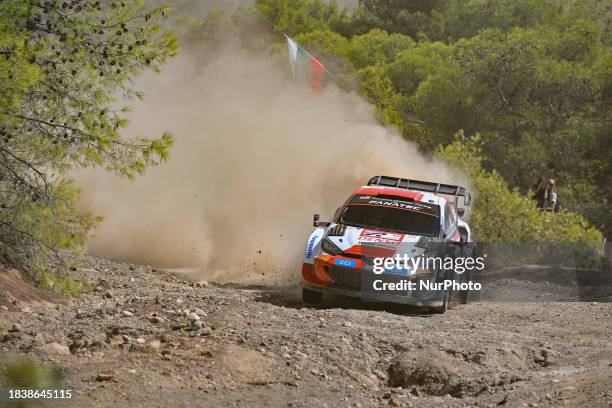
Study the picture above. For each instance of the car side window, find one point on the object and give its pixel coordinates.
(337, 214)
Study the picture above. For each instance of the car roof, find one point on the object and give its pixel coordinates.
(421, 196)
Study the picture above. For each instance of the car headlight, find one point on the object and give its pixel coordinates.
(329, 247)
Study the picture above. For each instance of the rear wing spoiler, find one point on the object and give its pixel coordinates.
(419, 185)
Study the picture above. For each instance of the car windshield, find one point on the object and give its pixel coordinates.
(391, 219)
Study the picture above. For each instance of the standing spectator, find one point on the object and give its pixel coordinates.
(546, 196)
(552, 203)
(539, 191)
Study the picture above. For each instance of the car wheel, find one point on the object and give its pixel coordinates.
(463, 295)
(466, 277)
(311, 297)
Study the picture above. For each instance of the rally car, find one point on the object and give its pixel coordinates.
(386, 217)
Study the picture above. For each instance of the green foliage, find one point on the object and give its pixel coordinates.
(466, 18)
(63, 65)
(62, 284)
(377, 88)
(376, 47)
(294, 17)
(83, 55)
(26, 373)
(398, 16)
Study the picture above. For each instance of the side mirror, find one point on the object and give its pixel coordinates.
(460, 212)
(317, 223)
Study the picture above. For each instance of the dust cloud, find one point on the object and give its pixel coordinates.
(256, 155)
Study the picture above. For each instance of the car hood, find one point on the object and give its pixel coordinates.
(358, 240)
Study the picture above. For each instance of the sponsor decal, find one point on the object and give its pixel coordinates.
(345, 262)
(393, 203)
(374, 245)
(399, 271)
(398, 203)
(380, 236)
(310, 247)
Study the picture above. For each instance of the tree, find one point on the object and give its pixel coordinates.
(294, 17)
(64, 64)
(536, 96)
(408, 17)
(377, 47)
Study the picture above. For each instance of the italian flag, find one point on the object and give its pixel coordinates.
(304, 66)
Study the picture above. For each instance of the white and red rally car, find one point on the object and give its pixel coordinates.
(386, 217)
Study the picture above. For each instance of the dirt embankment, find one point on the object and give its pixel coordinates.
(146, 338)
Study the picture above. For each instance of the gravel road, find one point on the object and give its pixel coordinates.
(146, 338)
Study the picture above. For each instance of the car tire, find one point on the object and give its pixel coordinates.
(311, 297)
(463, 295)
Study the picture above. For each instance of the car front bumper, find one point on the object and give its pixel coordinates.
(407, 299)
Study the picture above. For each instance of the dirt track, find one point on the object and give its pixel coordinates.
(130, 344)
